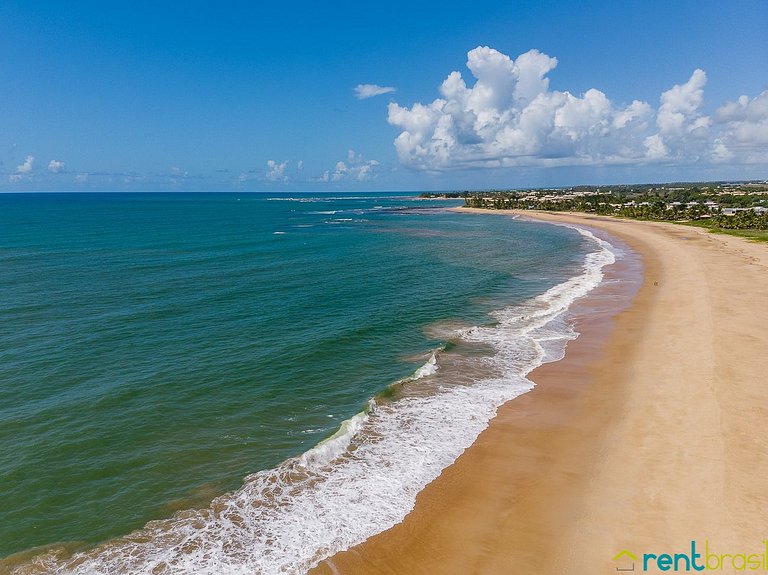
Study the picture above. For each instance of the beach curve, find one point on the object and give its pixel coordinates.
(649, 435)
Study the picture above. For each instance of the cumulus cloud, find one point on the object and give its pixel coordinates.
(355, 168)
(679, 110)
(683, 131)
(744, 129)
(26, 167)
(509, 117)
(55, 166)
(363, 91)
(276, 171)
(23, 170)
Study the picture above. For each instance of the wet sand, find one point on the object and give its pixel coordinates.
(650, 433)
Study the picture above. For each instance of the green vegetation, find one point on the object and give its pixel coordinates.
(739, 208)
(750, 234)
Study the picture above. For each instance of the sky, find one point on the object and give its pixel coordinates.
(312, 96)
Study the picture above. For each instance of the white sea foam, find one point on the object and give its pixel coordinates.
(364, 478)
(328, 199)
(334, 446)
(429, 368)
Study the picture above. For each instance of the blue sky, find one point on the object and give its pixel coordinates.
(241, 96)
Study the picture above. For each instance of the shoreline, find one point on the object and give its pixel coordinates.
(650, 433)
(447, 435)
(118, 549)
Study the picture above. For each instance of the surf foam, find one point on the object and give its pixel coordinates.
(363, 479)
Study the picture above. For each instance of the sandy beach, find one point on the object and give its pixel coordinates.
(650, 434)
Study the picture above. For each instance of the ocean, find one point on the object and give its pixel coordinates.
(232, 383)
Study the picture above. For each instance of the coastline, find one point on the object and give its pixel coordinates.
(438, 427)
(650, 433)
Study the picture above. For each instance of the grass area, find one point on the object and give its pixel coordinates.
(755, 235)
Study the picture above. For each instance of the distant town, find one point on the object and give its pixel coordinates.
(733, 207)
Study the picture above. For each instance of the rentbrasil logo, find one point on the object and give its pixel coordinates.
(695, 560)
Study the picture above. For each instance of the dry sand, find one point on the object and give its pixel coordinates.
(652, 432)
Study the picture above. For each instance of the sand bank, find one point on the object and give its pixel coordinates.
(651, 433)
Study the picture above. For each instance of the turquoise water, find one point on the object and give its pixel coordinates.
(157, 348)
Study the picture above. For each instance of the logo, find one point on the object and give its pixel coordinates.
(697, 558)
(624, 556)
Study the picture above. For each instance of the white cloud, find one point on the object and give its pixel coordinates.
(26, 167)
(363, 91)
(339, 173)
(55, 166)
(744, 130)
(23, 170)
(356, 167)
(655, 147)
(510, 117)
(276, 171)
(683, 129)
(679, 110)
(81, 178)
(744, 110)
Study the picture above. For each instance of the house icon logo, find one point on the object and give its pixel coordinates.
(626, 560)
